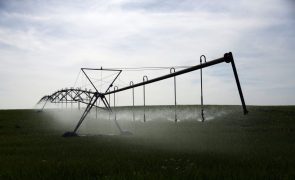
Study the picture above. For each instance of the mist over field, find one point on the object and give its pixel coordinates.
(103, 121)
(44, 44)
(230, 145)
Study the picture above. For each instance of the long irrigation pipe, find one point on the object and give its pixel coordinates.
(228, 58)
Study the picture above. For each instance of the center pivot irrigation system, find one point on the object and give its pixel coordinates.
(90, 98)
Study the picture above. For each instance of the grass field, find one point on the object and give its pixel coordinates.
(260, 145)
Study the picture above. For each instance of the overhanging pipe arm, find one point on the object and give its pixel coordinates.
(193, 68)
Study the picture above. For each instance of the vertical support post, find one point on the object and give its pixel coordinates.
(230, 59)
(79, 101)
(145, 78)
(115, 88)
(172, 70)
(110, 105)
(71, 100)
(131, 83)
(96, 110)
(62, 102)
(117, 124)
(66, 99)
(59, 103)
(202, 57)
(133, 115)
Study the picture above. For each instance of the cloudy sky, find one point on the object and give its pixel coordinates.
(43, 44)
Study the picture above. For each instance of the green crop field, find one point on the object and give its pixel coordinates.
(260, 145)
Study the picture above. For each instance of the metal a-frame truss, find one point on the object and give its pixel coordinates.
(87, 97)
(90, 98)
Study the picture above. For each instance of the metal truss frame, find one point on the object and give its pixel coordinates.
(89, 97)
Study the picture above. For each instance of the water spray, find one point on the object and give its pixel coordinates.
(90, 98)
